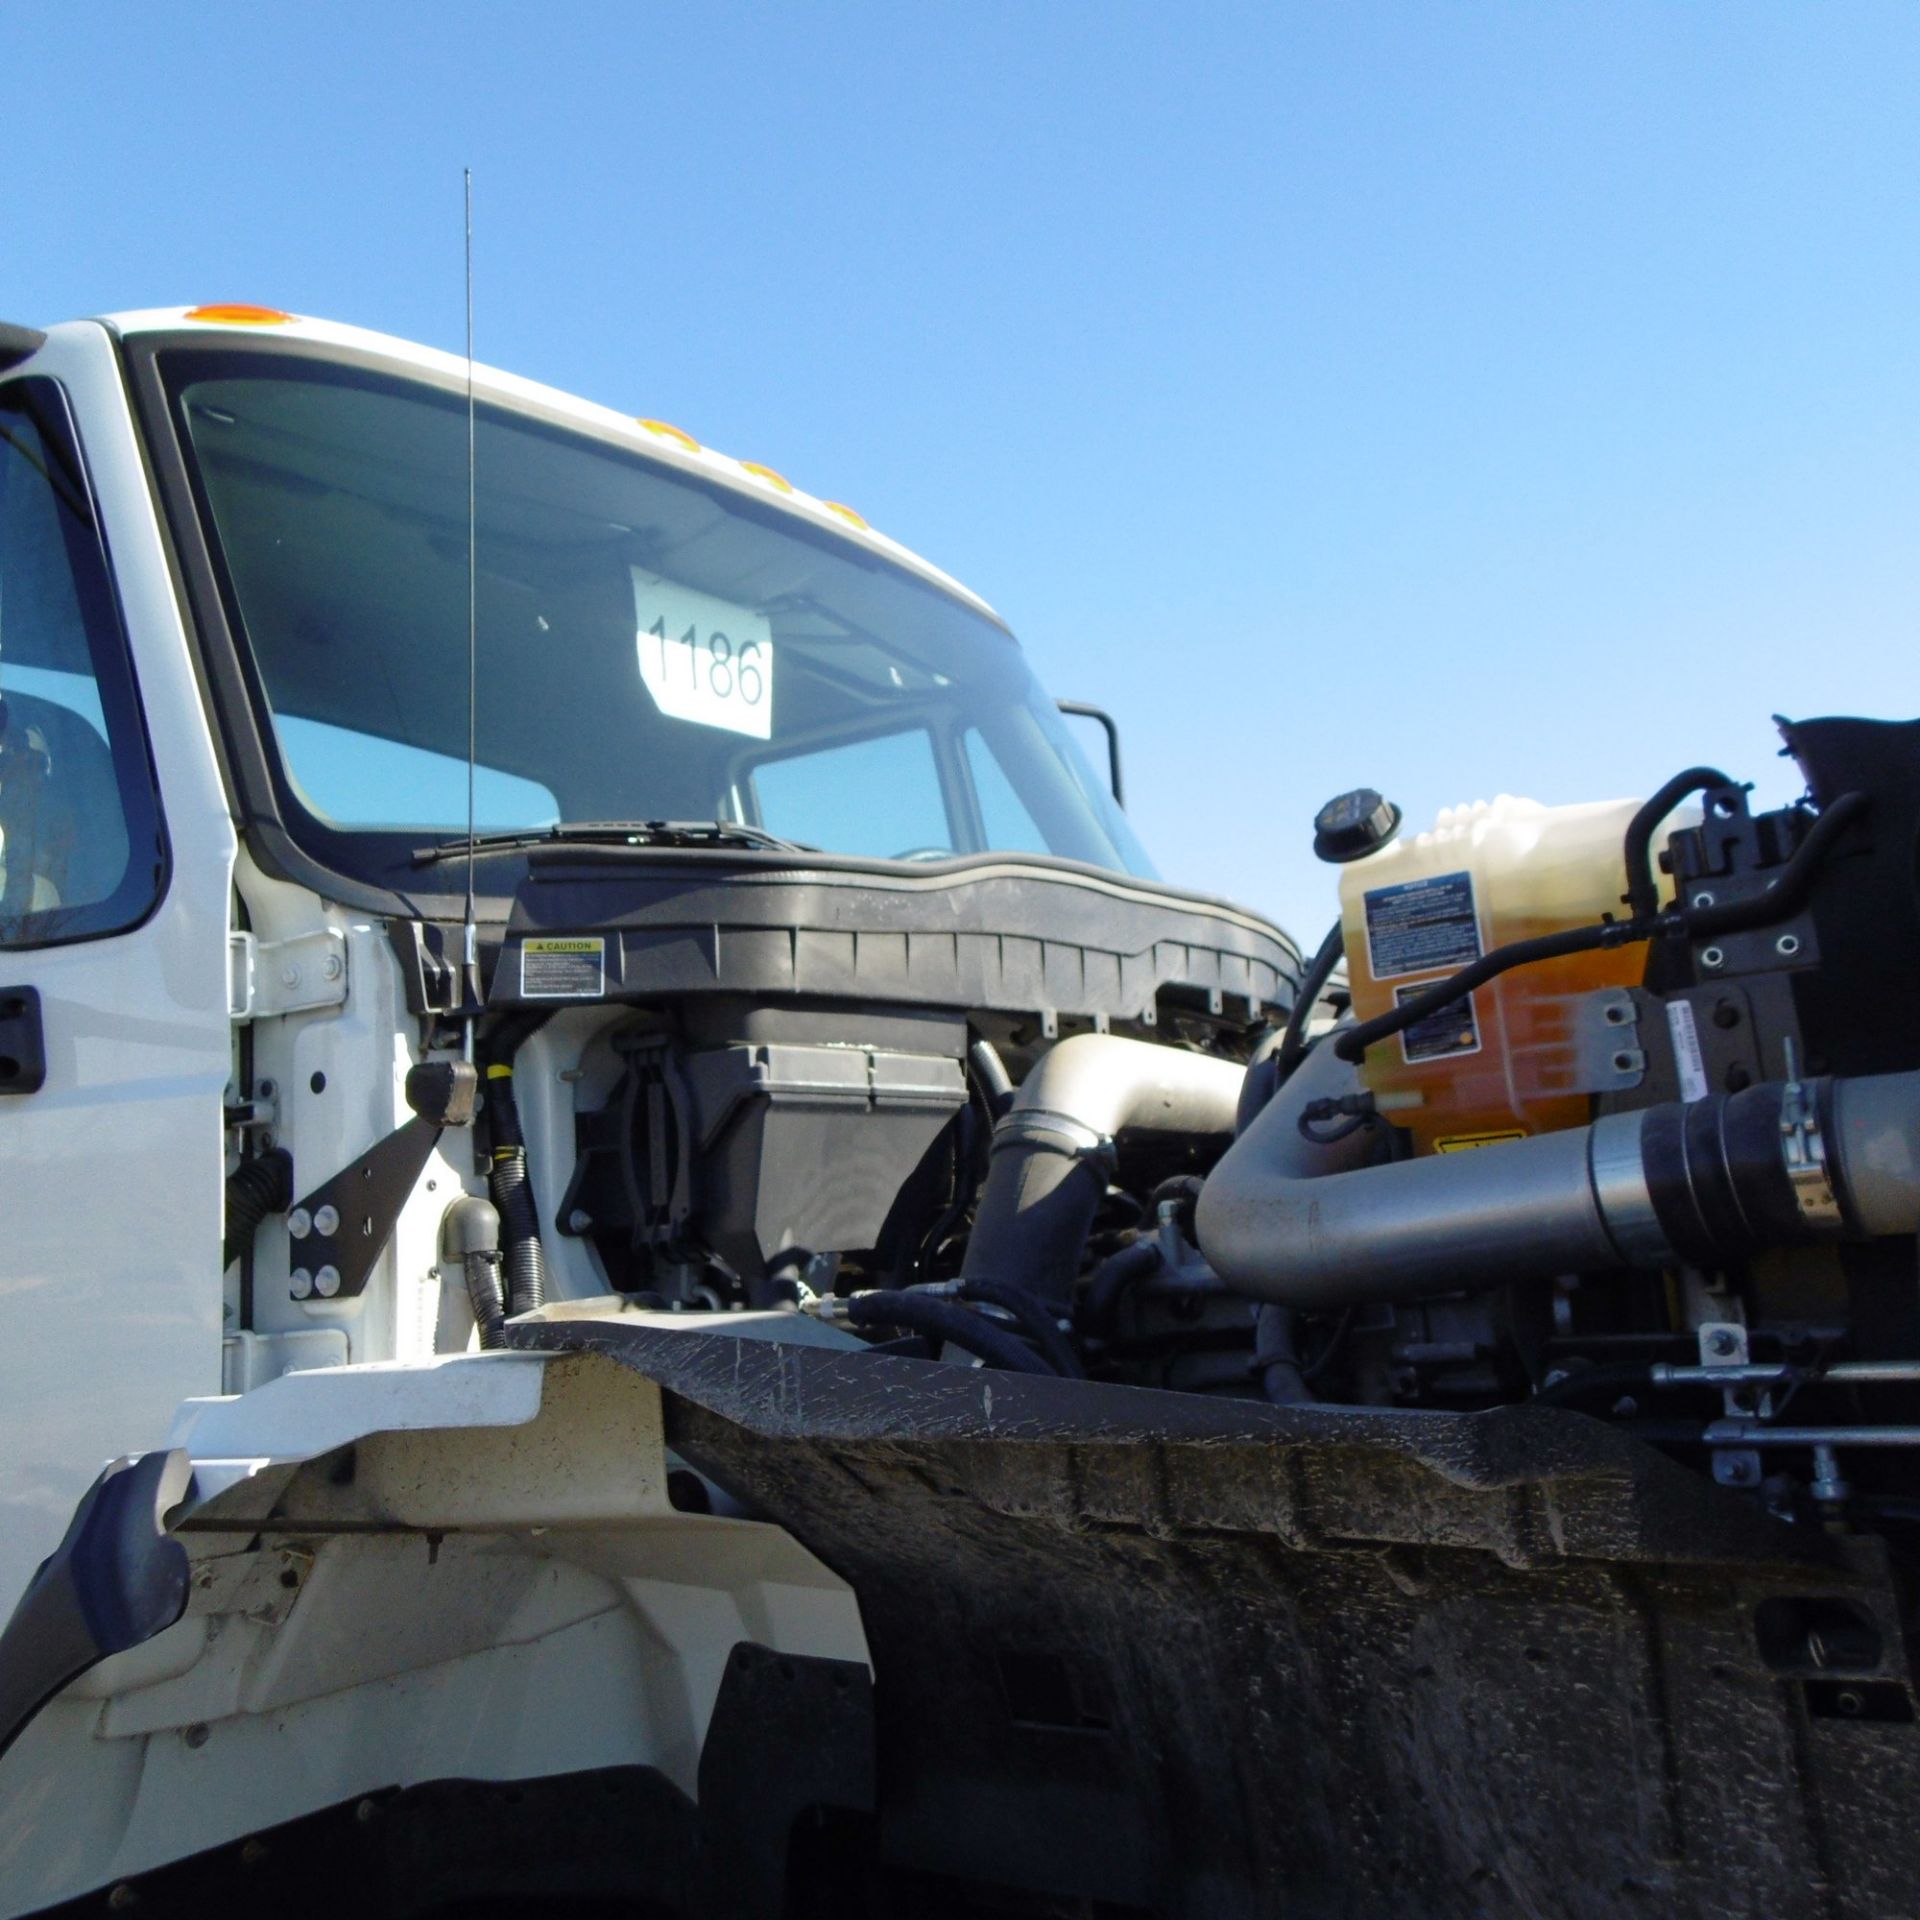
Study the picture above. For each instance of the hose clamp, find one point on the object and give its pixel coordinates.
(1055, 1133)
(1804, 1152)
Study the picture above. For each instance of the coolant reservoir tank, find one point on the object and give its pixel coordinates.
(1504, 1062)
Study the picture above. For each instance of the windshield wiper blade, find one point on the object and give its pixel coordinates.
(615, 834)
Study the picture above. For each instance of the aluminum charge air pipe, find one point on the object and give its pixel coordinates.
(1053, 1148)
(1703, 1184)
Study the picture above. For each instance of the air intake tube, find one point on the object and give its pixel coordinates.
(1705, 1184)
(1053, 1149)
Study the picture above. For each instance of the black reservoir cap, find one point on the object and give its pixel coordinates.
(1354, 825)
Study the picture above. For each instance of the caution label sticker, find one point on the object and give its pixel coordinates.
(1421, 926)
(1443, 1033)
(570, 968)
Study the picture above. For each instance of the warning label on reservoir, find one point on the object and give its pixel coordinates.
(1448, 1030)
(573, 968)
(1422, 925)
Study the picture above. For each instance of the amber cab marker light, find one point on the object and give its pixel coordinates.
(767, 474)
(667, 432)
(847, 514)
(239, 316)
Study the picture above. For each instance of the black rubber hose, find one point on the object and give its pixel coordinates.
(1782, 899)
(1582, 1381)
(1293, 1042)
(1276, 1357)
(523, 1257)
(1037, 1320)
(1789, 890)
(1643, 884)
(946, 1320)
(484, 1295)
(990, 1072)
(255, 1188)
(1184, 1190)
(470, 1234)
(1351, 1043)
(1111, 1278)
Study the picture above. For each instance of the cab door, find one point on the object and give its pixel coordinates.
(116, 856)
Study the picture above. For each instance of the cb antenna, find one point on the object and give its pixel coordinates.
(470, 927)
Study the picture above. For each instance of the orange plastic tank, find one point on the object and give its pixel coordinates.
(1504, 1062)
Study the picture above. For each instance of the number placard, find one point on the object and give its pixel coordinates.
(703, 659)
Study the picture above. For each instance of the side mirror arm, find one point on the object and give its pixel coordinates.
(1083, 711)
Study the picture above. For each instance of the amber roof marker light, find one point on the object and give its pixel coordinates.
(241, 316)
(665, 431)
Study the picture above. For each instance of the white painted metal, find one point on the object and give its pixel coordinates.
(542, 1609)
(110, 1175)
(287, 976)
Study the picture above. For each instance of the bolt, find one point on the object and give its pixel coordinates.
(196, 1735)
(1618, 1014)
(1703, 898)
(1623, 1063)
(1829, 1485)
(121, 1898)
(326, 1221)
(1723, 1341)
(1735, 1471)
(1787, 945)
(299, 1283)
(326, 1283)
(579, 1220)
(299, 1223)
(366, 1811)
(290, 974)
(1712, 957)
(331, 968)
(1725, 1014)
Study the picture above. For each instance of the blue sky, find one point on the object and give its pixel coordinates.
(1456, 398)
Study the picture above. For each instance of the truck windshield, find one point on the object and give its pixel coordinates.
(652, 645)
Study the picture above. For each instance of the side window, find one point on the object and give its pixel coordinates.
(80, 846)
(879, 798)
(1010, 827)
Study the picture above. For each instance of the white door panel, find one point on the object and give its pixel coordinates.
(111, 1173)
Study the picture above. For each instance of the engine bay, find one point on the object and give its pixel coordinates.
(1614, 1110)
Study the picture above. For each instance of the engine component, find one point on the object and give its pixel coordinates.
(255, 1188)
(1053, 1152)
(752, 1139)
(470, 1243)
(525, 1263)
(1352, 825)
(1706, 1183)
(1499, 1061)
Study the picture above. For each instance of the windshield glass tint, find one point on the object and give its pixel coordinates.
(652, 646)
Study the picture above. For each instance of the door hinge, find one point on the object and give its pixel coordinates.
(267, 977)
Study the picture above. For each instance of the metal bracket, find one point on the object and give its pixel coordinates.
(1606, 1037)
(1723, 1343)
(340, 1229)
(269, 977)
